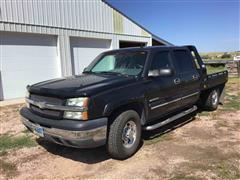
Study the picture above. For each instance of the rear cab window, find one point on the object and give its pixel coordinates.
(183, 61)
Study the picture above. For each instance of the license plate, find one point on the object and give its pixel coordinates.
(38, 131)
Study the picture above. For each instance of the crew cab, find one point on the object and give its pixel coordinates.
(120, 94)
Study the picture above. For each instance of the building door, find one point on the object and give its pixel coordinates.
(26, 59)
(84, 50)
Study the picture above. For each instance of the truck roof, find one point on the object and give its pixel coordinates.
(146, 48)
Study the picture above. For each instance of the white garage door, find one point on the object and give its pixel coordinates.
(26, 59)
(84, 50)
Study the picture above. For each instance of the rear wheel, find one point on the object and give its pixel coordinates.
(212, 100)
(124, 135)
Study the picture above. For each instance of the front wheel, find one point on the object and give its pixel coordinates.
(124, 135)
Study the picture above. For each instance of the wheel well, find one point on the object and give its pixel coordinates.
(205, 93)
(219, 87)
(138, 107)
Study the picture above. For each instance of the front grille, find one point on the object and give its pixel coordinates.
(49, 100)
(47, 113)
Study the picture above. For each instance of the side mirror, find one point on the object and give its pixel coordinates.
(154, 73)
(161, 72)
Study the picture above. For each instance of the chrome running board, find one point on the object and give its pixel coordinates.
(173, 118)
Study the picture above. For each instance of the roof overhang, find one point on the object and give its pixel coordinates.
(156, 38)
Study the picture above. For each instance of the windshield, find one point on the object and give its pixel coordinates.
(121, 63)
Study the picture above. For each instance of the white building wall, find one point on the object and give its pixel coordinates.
(64, 39)
(75, 14)
(88, 15)
(68, 19)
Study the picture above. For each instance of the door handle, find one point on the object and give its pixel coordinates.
(177, 81)
(194, 76)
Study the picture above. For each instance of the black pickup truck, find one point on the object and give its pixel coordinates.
(121, 93)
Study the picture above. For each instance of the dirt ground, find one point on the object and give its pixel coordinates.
(205, 146)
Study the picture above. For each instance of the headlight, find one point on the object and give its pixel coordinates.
(80, 102)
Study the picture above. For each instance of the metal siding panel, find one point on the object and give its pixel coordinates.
(83, 15)
(35, 12)
(65, 12)
(25, 12)
(57, 12)
(64, 50)
(8, 11)
(20, 11)
(14, 11)
(40, 12)
(3, 14)
(62, 19)
(44, 12)
(73, 9)
(30, 9)
(86, 16)
(70, 13)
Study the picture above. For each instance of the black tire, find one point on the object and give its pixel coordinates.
(115, 145)
(211, 103)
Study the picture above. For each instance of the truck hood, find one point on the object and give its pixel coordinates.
(82, 85)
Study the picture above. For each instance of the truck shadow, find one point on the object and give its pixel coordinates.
(149, 135)
(89, 156)
(96, 155)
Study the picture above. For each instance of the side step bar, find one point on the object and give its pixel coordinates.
(177, 116)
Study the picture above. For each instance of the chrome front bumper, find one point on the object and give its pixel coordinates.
(82, 139)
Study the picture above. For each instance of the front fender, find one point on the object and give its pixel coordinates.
(135, 103)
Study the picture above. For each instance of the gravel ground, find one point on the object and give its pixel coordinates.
(205, 146)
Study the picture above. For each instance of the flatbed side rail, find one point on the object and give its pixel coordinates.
(215, 79)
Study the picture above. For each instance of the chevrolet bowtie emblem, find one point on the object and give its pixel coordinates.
(41, 105)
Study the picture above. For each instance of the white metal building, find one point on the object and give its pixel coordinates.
(45, 39)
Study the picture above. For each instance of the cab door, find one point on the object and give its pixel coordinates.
(162, 93)
(189, 76)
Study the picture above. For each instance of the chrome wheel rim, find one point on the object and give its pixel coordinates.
(129, 134)
(214, 97)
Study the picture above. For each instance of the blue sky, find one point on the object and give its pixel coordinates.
(211, 25)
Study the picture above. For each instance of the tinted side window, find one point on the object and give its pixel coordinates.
(161, 60)
(183, 61)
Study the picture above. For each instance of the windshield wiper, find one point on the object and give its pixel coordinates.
(112, 72)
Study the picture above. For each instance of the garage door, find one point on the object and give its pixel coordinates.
(26, 59)
(84, 50)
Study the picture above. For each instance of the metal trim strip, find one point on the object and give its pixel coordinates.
(175, 100)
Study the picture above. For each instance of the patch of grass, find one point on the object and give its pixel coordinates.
(227, 171)
(223, 169)
(204, 113)
(10, 142)
(233, 80)
(232, 102)
(211, 69)
(9, 169)
(183, 176)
